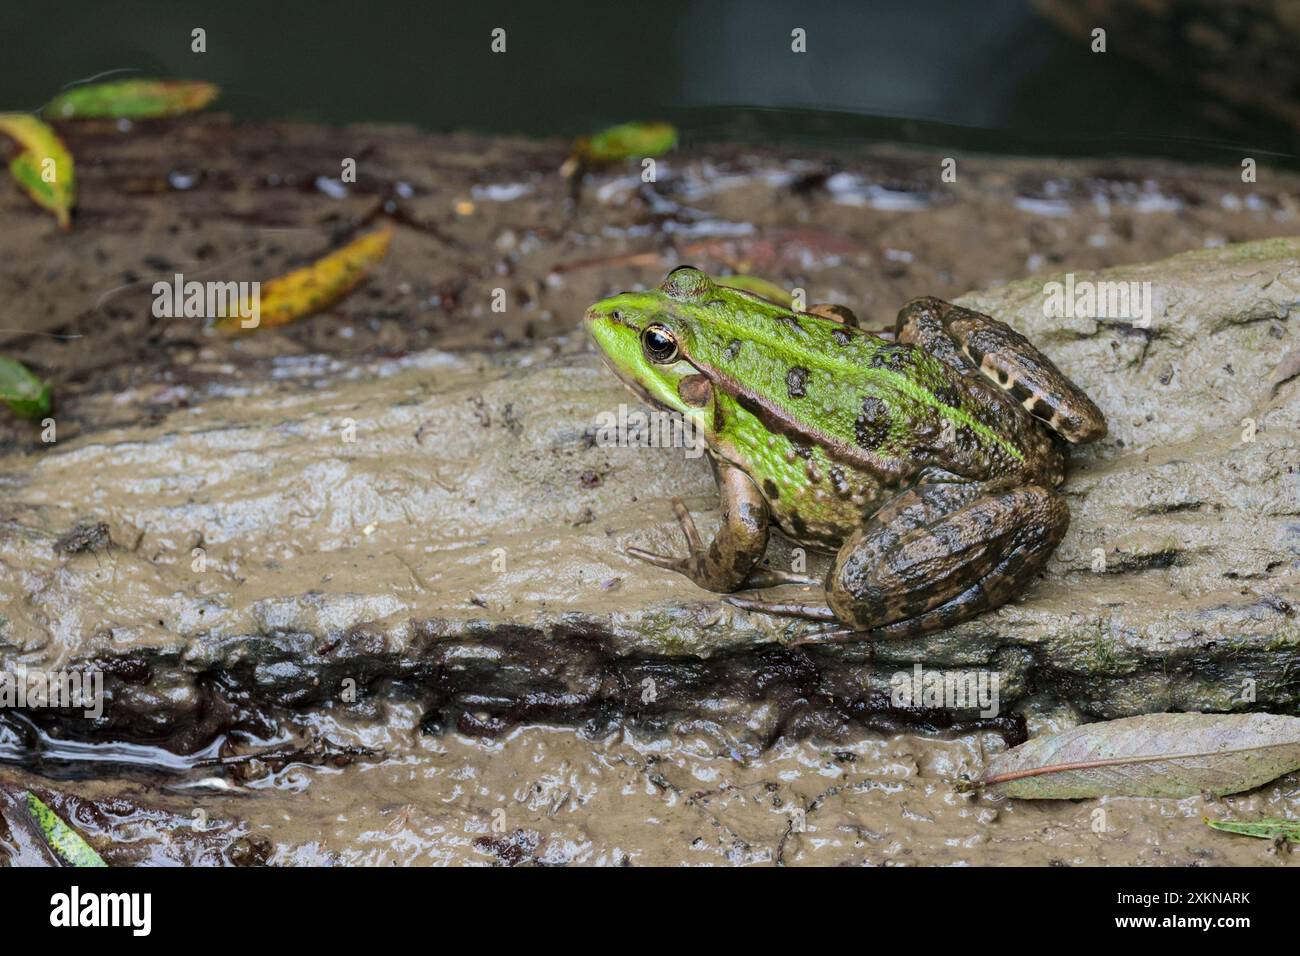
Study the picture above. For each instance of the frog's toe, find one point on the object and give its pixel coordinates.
(774, 577)
(688, 525)
(806, 611)
(829, 634)
(666, 561)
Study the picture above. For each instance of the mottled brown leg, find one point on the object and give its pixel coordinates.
(940, 554)
(967, 340)
(920, 323)
(728, 563)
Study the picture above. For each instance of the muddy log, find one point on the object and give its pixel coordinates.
(231, 529)
(451, 523)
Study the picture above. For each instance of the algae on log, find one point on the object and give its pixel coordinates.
(449, 526)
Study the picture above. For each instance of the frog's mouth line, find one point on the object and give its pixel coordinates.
(632, 385)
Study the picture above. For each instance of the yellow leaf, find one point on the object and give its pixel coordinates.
(315, 287)
(44, 167)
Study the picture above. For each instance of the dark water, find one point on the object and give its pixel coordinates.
(984, 75)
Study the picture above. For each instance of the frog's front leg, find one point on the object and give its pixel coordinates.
(729, 561)
(934, 556)
(971, 341)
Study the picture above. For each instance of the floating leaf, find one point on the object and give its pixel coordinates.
(1265, 829)
(66, 842)
(22, 391)
(617, 143)
(44, 167)
(316, 287)
(1155, 755)
(132, 99)
(768, 290)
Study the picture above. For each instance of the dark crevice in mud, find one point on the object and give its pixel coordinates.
(1130, 328)
(483, 681)
(1154, 561)
(1169, 508)
(775, 691)
(483, 685)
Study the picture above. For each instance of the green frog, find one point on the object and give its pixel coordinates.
(928, 463)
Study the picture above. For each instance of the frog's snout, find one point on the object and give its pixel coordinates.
(606, 316)
(601, 326)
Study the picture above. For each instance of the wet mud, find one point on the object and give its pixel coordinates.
(392, 529)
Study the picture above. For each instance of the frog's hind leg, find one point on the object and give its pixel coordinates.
(920, 323)
(730, 560)
(940, 554)
(969, 340)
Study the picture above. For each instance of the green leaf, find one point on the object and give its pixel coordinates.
(26, 394)
(1265, 829)
(1154, 755)
(66, 842)
(620, 142)
(132, 99)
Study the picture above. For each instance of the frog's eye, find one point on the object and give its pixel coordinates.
(659, 344)
(686, 282)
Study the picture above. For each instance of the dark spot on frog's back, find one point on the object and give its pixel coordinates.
(841, 337)
(895, 358)
(796, 381)
(769, 489)
(791, 322)
(732, 350)
(872, 425)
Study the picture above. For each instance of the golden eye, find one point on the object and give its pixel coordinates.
(659, 344)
